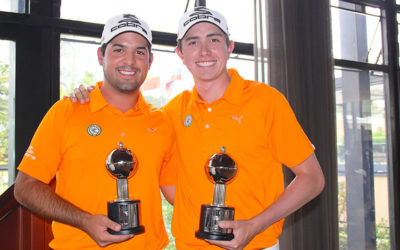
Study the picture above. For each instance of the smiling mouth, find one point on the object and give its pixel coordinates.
(205, 64)
(127, 73)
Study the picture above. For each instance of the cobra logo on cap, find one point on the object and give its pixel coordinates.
(129, 20)
(201, 13)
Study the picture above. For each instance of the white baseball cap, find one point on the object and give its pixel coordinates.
(123, 23)
(201, 14)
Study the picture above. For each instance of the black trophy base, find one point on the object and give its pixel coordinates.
(136, 230)
(125, 213)
(209, 217)
(209, 236)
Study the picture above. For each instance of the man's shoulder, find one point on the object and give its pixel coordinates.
(262, 89)
(66, 108)
(182, 98)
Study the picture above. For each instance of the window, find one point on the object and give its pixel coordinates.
(7, 77)
(362, 47)
(398, 28)
(162, 15)
(12, 6)
(361, 119)
(362, 159)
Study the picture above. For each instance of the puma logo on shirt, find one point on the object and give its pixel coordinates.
(238, 118)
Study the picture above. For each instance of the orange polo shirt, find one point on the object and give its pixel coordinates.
(72, 144)
(259, 130)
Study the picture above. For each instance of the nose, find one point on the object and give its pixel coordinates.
(130, 58)
(204, 49)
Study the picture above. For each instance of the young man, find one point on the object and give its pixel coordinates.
(259, 131)
(256, 126)
(74, 141)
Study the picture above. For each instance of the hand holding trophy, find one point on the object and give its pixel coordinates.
(220, 169)
(122, 164)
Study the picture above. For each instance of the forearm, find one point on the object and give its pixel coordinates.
(308, 183)
(42, 199)
(289, 202)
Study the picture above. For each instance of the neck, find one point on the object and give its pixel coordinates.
(210, 91)
(122, 101)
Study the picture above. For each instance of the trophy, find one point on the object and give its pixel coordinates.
(122, 164)
(220, 169)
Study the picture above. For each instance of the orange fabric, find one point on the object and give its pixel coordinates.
(62, 147)
(259, 130)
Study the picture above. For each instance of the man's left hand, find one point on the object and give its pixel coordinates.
(243, 230)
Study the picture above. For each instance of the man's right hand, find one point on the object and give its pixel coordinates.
(40, 198)
(96, 227)
(80, 94)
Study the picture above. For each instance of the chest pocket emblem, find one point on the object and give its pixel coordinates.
(94, 130)
(188, 120)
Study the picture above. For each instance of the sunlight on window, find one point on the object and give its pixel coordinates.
(163, 15)
(6, 114)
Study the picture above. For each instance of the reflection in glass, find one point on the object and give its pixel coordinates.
(357, 33)
(7, 118)
(362, 159)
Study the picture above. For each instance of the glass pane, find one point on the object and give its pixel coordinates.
(362, 159)
(78, 62)
(17, 6)
(356, 33)
(7, 80)
(162, 15)
(398, 28)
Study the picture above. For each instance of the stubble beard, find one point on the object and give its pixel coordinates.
(124, 87)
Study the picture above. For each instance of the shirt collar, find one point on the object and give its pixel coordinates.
(232, 94)
(97, 102)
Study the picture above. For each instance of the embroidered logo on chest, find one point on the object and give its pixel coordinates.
(188, 120)
(153, 130)
(94, 130)
(238, 118)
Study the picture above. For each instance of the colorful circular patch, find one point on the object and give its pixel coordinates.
(188, 120)
(94, 130)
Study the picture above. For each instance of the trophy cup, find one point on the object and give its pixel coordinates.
(122, 164)
(220, 169)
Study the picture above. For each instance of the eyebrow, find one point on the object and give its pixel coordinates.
(208, 35)
(121, 45)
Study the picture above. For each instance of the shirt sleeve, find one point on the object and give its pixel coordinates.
(43, 156)
(288, 142)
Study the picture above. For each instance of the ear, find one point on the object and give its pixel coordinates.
(100, 56)
(231, 47)
(179, 53)
(151, 60)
